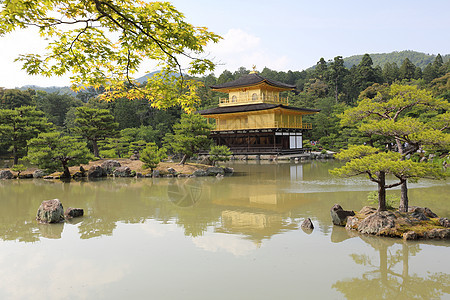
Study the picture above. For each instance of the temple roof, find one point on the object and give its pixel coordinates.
(252, 79)
(251, 107)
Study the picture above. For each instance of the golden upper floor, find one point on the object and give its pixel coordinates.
(252, 89)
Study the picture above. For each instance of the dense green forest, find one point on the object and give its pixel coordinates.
(330, 86)
(380, 59)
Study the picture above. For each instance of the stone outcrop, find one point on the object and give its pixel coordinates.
(437, 233)
(307, 224)
(444, 222)
(110, 165)
(339, 215)
(416, 224)
(199, 173)
(38, 173)
(228, 170)
(6, 174)
(213, 171)
(50, 211)
(422, 211)
(73, 212)
(122, 172)
(96, 172)
(377, 223)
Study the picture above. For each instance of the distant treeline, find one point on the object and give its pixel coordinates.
(330, 86)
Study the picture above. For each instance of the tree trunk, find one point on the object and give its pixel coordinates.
(336, 90)
(404, 198)
(66, 173)
(183, 160)
(404, 187)
(15, 155)
(95, 147)
(382, 192)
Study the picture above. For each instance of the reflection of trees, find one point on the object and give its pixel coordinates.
(18, 231)
(95, 227)
(384, 282)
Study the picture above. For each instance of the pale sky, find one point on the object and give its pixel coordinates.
(283, 35)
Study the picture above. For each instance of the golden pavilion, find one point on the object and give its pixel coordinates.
(254, 119)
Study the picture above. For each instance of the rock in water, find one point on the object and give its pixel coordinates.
(110, 165)
(377, 223)
(307, 224)
(96, 172)
(339, 215)
(38, 173)
(50, 211)
(74, 212)
(122, 172)
(213, 171)
(6, 174)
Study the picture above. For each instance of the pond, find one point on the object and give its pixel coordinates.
(235, 237)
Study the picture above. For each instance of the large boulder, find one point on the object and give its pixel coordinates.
(367, 211)
(199, 173)
(50, 211)
(419, 211)
(213, 171)
(228, 170)
(73, 212)
(110, 165)
(172, 171)
(339, 215)
(96, 172)
(38, 173)
(378, 223)
(122, 172)
(6, 174)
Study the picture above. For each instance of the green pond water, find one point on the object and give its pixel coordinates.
(236, 237)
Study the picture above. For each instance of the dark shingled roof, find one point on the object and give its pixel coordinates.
(250, 107)
(252, 79)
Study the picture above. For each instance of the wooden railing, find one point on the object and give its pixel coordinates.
(249, 100)
(264, 126)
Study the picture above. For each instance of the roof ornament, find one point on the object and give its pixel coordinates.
(254, 70)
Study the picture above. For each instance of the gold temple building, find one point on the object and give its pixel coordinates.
(254, 119)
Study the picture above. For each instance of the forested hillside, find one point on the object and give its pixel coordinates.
(380, 59)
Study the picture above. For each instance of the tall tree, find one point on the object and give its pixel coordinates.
(377, 165)
(429, 73)
(19, 125)
(437, 65)
(336, 74)
(55, 106)
(190, 136)
(365, 74)
(80, 42)
(407, 70)
(14, 98)
(386, 114)
(321, 69)
(52, 151)
(391, 72)
(94, 125)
